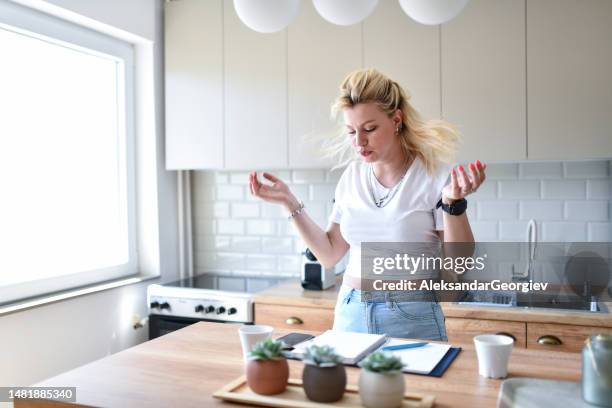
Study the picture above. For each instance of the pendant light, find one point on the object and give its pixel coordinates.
(344, 12)
(432, 12)
(266, 16)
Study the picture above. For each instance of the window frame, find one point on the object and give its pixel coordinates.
(52, 29)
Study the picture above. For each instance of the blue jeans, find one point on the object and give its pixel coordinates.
(396, 314)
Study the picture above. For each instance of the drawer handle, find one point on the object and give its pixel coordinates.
(294, 320)
(549, 340)
(507, 334)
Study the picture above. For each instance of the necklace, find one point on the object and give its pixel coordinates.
(373, 184)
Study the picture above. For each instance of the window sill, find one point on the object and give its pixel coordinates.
(29, 303)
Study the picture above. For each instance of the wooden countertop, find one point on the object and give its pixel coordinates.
(290, 293)
(185, 367)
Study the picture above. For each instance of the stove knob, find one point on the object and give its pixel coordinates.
(199, 308)
(209, 309)
(164, 305)
(220, 310)
(232, 310)
(154, 305)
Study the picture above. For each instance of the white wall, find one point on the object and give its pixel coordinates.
(44, 341)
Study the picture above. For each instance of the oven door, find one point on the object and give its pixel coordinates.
(160, 325)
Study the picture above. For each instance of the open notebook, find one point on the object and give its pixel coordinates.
(351, 346)
(420, 360)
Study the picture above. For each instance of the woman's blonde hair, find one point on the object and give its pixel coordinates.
(432, 141)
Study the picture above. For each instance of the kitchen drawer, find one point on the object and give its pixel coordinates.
(570, 338)
(294, 318)
(461, 330)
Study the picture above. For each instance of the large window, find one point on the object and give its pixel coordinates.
(66, 155)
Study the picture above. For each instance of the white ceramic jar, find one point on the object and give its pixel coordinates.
(381, 390)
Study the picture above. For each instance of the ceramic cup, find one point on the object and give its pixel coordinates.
(251, 335)
(493, 352)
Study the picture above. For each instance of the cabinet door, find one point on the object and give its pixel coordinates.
(461, 330)
(321, 54)
(294, 318)
(560, 337)
(407, 52)
(255, 95)
(483, 79)
(194, 84)
(569, 64)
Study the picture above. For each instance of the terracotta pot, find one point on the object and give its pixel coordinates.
(267, 377)
(324, 384)
(378, 390)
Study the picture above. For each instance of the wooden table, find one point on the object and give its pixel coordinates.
(184, 368)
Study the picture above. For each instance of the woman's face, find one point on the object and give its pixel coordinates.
(372, 132)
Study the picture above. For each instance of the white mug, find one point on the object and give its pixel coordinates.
(493, 352)
(251, 335)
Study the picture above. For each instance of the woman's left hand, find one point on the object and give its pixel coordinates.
(463, 184)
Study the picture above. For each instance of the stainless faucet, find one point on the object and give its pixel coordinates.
(532, 239)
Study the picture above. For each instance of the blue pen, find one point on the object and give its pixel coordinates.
(404, 346)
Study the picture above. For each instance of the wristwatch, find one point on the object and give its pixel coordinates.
(456, 208)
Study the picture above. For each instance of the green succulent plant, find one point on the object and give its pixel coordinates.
(322, 356)
(381, 362)
(268, 349)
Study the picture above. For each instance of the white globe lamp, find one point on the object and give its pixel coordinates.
(266, 16)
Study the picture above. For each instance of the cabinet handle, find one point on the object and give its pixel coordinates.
(294, 320)
(507, 334)
(549, 340)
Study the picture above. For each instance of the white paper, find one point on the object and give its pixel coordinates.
(419, 360)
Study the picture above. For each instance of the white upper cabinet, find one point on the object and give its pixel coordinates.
(483, 79)
(407, 52)
(321, 54)
(569, 78)
(194, 84)
(255, 96)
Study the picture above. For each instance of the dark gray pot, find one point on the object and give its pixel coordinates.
(324, 384)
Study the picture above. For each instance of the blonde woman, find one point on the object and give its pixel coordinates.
(396, 187)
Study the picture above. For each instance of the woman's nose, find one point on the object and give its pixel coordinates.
(361, 139)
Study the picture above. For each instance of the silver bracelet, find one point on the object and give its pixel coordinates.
(297, 211)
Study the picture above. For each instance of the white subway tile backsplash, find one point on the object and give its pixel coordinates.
(322, 192)
(497, 210)
(600, 231)
(228, 227)
(571, 201)
(272, 210)
(563, 189)
(519, 189)
(564, 231)
(599, 189)
(586, 169)
(277, 245)
(245, 210)
(541, 210)
(586, 210)
(289, 263)
(308, 176)
(261, 262)
(261, 227)
(229, 261)
(246, 244)
(513, 231)
(502, 171)
(541, 170)
(484, 230)
(239, 177)
(230, 193)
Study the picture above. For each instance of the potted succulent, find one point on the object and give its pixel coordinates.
(381, 382)
(267, 370)
(324, 376)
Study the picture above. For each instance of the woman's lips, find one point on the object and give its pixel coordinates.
(365, 153)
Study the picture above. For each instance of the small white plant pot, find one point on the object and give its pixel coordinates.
(378, 390)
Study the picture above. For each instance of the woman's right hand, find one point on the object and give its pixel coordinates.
(278, 192)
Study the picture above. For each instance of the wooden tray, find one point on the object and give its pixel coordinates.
(294, 396)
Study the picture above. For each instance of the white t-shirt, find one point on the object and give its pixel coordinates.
(409, 216)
